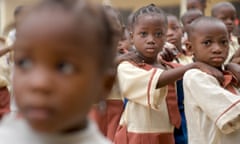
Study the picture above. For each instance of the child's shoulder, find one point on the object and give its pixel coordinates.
(195, 73)
(130, 56)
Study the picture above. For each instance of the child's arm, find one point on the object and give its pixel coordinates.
(5, 50)
(171, 75)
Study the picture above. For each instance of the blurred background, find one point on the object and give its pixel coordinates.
(176, 7)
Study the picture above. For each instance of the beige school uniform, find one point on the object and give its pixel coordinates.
(183, 59)
(18, 131)
(145, 118)
(108, 119)
(212, 112)
(233, 47)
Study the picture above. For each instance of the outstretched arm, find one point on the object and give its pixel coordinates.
(5, 50)
(171, 75)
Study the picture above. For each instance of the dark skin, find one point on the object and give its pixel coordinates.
(148, 36)
(210, 46)
(47, 52)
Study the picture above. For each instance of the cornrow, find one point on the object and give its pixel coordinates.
(149, 9)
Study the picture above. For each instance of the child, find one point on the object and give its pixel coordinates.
(148, 117)
(124, 45)
(187, 18)
(107, 113)
(174, 35)
(196, 4)
(211, 108)
(226, 12)
(63, 64)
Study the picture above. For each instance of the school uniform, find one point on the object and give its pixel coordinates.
(180, 134)
(212, 111)
(108, 119)
(148, 116)
(4, 87)
(233, 47)
(17, 131)
(183, 59)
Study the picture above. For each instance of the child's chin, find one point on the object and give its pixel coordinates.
(43, 127)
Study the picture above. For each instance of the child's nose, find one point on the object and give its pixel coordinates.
(229, 21)
(217, 48)
(40, 80)
(150, 39)
(170, 32)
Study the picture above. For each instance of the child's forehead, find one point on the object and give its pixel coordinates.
(55, 30)
(173, 19)
(222, 9)
(151, 18)
(193, 2)
(210, 28)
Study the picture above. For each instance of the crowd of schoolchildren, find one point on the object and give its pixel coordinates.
(72, 73)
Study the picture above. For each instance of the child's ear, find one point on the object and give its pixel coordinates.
(188, 45)
(131, 37)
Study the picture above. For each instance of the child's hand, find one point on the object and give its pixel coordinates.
(211, 70)
(168, 53)
(235, 70)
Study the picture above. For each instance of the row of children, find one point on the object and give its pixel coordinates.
(149, 76)
(64, 62)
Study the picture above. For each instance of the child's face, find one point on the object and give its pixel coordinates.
(124, 44)
(188, 20)
(227, 15)
(174, 32)
(149, 35)
(210, 44)
(56, 78)
(195, 4)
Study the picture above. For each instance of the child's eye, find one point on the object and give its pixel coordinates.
(175, 28)
(66, 68)
(207, 42)
(143, 34)
(159, 34)
(224, 42)
(24, 63)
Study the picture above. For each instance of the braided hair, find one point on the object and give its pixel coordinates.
(149, 9)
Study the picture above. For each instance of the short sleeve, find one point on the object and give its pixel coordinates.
(139, 85)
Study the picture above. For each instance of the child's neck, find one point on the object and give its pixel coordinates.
(75, 128)
(143, 59)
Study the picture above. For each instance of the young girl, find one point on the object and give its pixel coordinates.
(64, 53)
(149, 116)
(211, 108)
